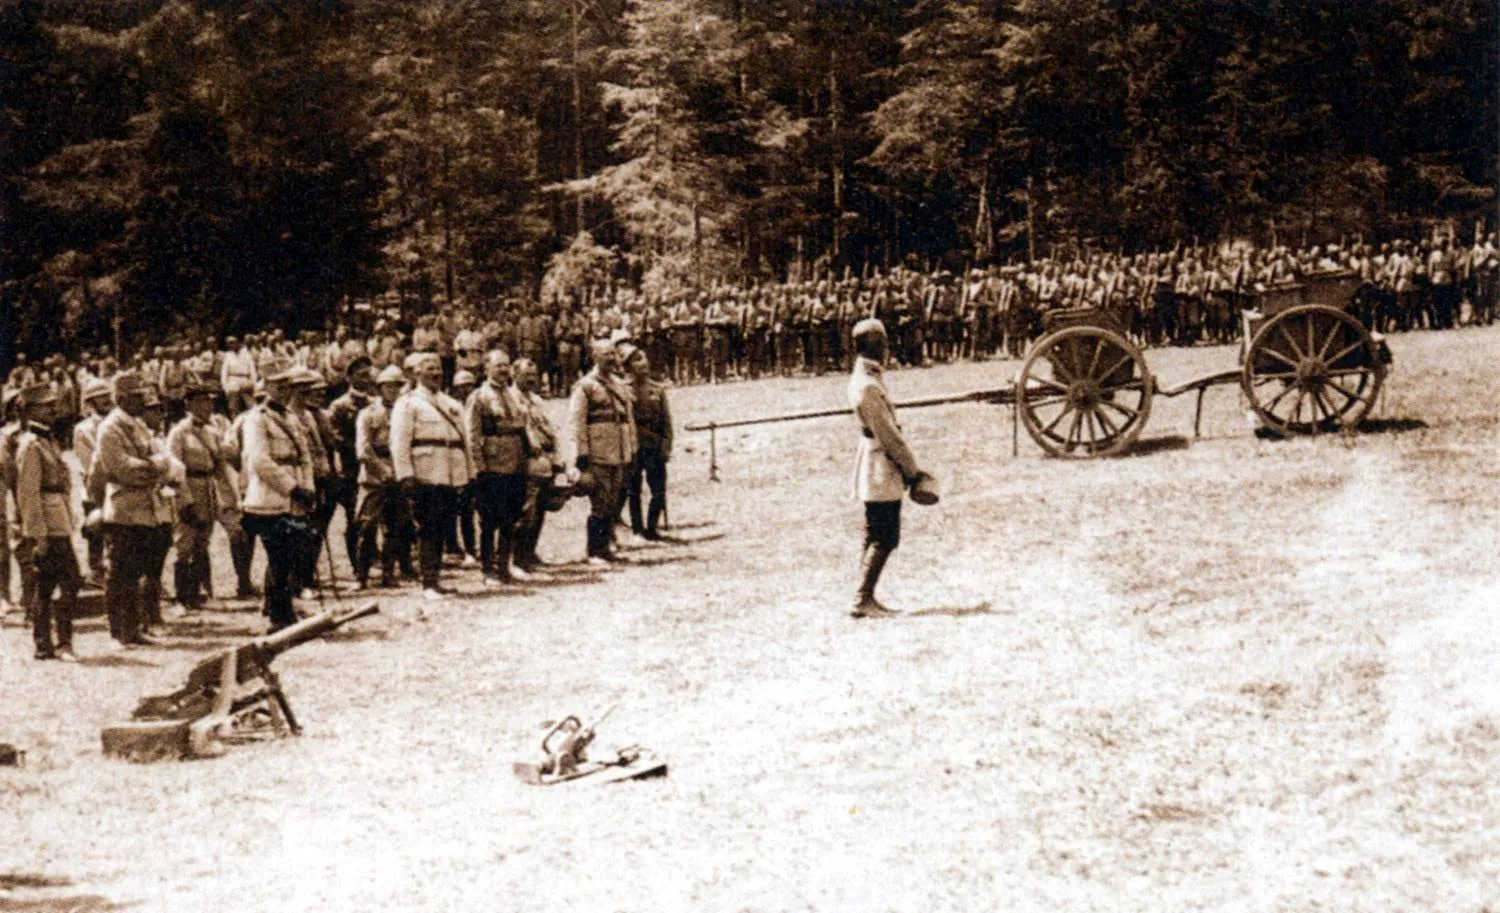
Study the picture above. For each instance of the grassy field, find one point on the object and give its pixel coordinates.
(1225, 674)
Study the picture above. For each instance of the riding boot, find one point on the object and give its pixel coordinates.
(181, 585)
(872, 563)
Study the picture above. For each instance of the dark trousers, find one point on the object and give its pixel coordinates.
(432, 507)
(883, 524)
(56, 569)
(652, 465)
(344, 492)
(242, 554)
(533, 515)
(461, 534)
(286, 538)
(500, 501)
(604, 506)
(385, 530)
(128, 582)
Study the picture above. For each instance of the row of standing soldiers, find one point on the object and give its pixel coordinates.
(406, 457)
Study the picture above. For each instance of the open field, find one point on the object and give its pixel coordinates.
(1236, 674)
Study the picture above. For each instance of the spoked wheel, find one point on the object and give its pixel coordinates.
(1084, 392)
(1312, 368)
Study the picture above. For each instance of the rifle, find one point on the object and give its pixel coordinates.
(233, 695)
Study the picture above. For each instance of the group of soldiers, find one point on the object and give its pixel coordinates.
(270, 450)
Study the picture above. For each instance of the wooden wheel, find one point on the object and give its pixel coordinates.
(1084, 392)
(1312, 368)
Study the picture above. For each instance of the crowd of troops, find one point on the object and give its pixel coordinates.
(271, 451)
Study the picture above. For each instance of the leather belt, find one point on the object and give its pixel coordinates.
(54, 490)
(435, 442)
(200, 473)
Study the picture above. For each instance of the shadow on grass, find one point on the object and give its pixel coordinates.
(696, 524)
(982, 608)
(693, 540)
(115, 661)
(1392, 425)
(655, 562)
(48, 898)
(1146, 446)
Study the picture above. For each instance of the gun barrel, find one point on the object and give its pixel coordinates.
(313, 628)
(994, 395)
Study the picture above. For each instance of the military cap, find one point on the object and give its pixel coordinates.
(601, 346)
(870, 326)
(95, 388)
(127, 383)
(463, 379)
(306, 377)
(38, 394)
(626, 350)
(390, 374)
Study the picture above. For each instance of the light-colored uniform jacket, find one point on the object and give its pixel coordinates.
(198, 447)
(495, 422)
(86, 438)
(130, 471)
(541, 437)
(600, 421)
(884, 462)
(44, 489)
(277, 460)
(427, 439)
(372, 441)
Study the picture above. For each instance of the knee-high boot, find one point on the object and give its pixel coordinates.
(871, 564)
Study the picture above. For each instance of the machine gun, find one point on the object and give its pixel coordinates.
(231, 696)
(565, 757)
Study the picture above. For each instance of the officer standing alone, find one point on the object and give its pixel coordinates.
(884, 467)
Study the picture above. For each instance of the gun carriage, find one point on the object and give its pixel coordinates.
(1307, 365)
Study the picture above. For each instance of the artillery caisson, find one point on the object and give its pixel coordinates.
(1085, 389)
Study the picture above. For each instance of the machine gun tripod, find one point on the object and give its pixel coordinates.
(232, 696)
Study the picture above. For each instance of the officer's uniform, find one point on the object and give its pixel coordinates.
(427, 446)
(542, 466)
(279, 497)
(198, 447)
(44, 502)
(382, 509)
(127, 477)
(600, 422)
(884, 467)
(653, 436)
(495, 426)
(85, 439)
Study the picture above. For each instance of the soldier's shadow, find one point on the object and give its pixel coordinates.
(982, 608)
(49, 896)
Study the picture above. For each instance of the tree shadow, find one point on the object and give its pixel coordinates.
(982, 608)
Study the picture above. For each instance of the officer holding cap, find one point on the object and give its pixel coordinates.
(884, 466)
(431, 463)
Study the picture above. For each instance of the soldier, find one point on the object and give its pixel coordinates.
(884, 468)
(495, 421)
(279, 496)
(431, 463)
(9, 439)
(309, 391)
(460, 540)
(542, 466)
(127, 477)
(382, 508)
(653, 427)
(97, 401)
(195, 443)
(343, 414)
(599, 421)
(44, 487)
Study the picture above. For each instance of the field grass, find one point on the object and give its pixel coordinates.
(1224, 674)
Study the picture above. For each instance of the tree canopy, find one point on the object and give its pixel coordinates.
(227, 164)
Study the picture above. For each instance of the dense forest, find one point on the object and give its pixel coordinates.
(227, 164)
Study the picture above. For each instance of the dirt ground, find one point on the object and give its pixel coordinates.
(1224, 674)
